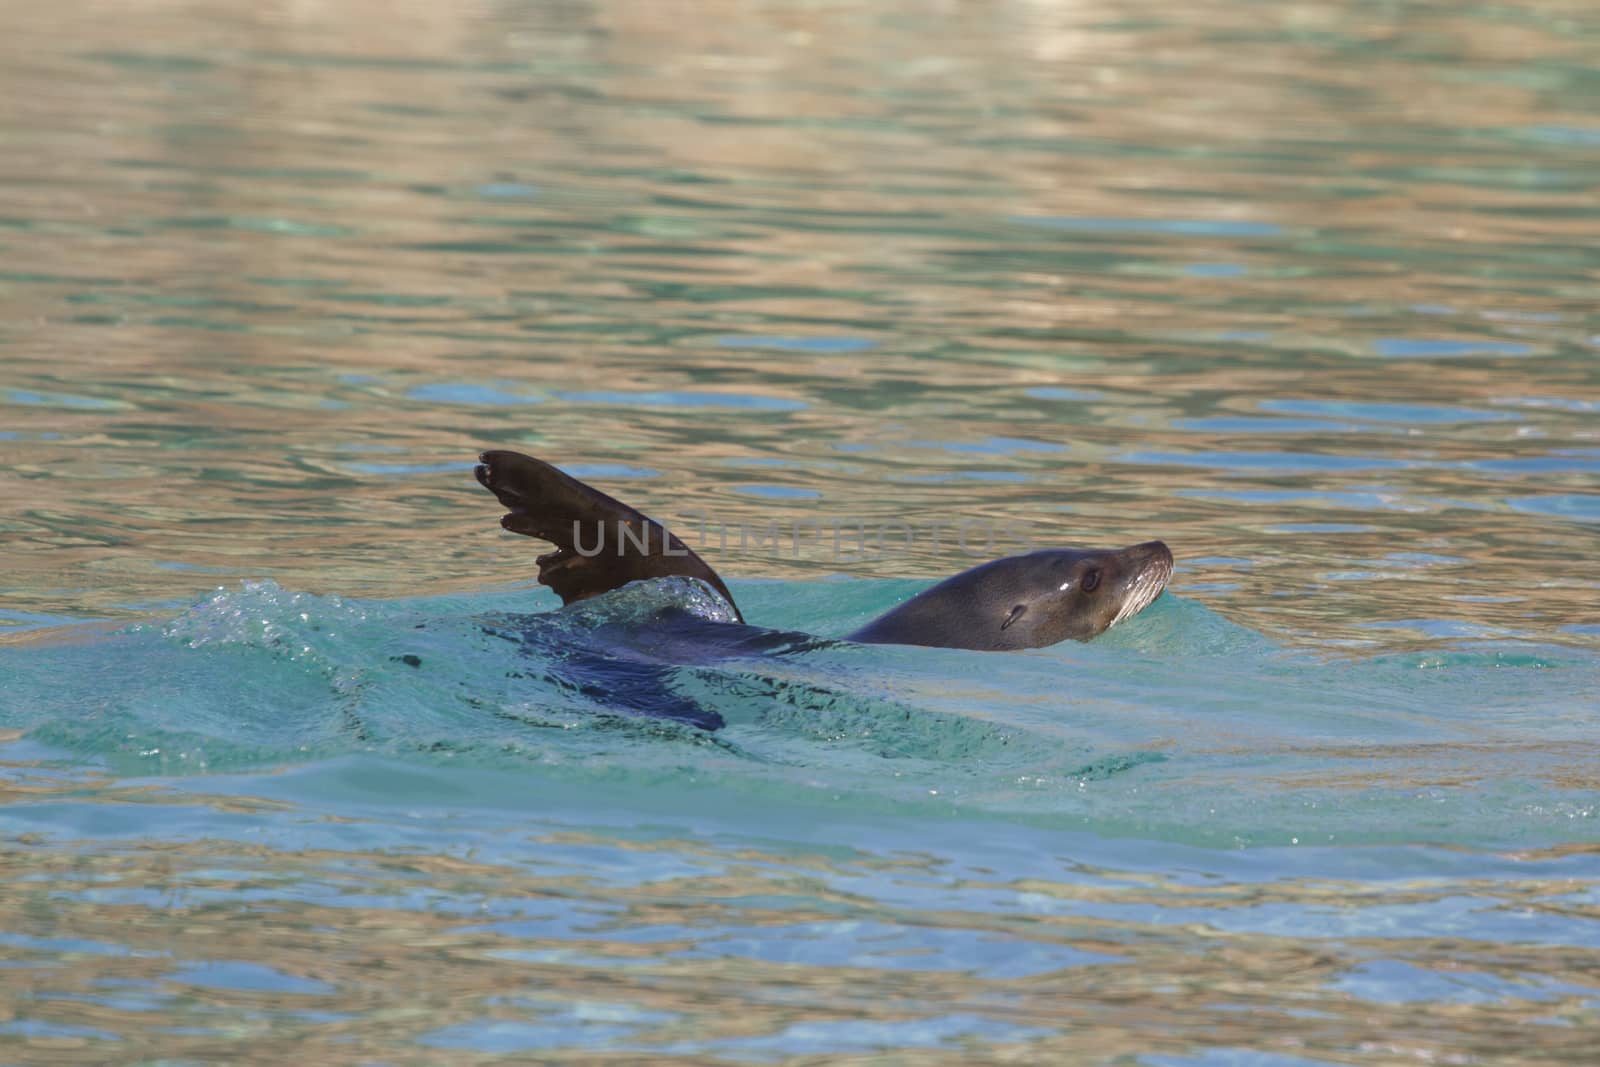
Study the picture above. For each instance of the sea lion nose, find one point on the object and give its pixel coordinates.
(1157, 560)
(1156, 550)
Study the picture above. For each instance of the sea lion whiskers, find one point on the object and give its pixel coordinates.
(1147, 584)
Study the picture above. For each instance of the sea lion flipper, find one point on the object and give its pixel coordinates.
(601, 543)
(544, 502)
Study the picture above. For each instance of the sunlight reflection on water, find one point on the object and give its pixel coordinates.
(1305, 292)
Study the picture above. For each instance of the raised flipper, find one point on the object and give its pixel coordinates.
(601, 543)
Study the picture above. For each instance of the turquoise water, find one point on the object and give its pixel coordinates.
(298, 761)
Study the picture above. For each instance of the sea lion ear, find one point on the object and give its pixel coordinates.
(1016, 613)
(546, 503)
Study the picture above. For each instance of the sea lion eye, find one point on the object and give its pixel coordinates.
(1091, 581)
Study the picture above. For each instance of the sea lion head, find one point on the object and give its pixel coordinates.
(1029, 601)
(1075, 594)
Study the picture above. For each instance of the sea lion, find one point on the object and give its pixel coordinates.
(1026, 601)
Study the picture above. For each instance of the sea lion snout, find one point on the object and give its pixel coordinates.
(1148, 568)
(1156, 554)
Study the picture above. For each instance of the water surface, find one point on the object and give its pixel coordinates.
(853, 296)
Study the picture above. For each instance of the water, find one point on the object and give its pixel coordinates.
(853, 295)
